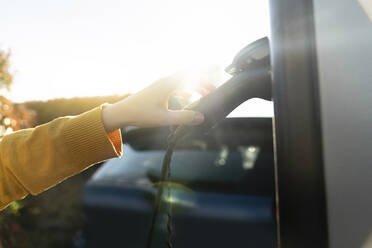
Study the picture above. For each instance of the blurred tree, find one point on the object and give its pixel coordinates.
(12, 117)
(6, 78)
(28, 223)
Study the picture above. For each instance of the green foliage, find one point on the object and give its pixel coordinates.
(6, 78)
(14, 208)
(52, 219)
(12, 117)
(12, 234)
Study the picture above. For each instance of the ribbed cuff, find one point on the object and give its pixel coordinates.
(87, 140)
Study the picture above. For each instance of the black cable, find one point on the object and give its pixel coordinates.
(165, 174)
(169, 214)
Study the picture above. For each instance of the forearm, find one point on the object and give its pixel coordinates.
(112, 117)
(33, 160)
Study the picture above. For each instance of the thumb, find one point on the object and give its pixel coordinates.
(185, 117)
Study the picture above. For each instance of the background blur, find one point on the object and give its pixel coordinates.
(66, 57)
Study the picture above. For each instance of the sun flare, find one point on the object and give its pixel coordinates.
(122, 46)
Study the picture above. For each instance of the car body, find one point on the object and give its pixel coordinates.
(222, 190)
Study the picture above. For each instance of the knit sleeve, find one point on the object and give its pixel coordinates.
(33, 160)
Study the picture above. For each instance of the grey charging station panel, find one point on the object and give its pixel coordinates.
(322, 90)
(344, 52)
(299, 167)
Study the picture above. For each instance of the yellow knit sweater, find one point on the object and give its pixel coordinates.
(33, 160)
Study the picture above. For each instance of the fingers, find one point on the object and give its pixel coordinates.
(204, 87)
(183, 93)
(184, 117)
(175, 82)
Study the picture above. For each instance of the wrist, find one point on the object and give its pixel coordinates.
(108, 118)
(115, 116)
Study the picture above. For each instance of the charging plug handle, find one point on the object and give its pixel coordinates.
(221, 102)
(251, 79)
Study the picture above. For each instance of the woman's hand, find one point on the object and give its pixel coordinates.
(149, 107)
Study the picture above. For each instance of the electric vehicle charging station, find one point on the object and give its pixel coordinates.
(321, 68)
(321, 57)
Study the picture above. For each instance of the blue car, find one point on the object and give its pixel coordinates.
(221, 190)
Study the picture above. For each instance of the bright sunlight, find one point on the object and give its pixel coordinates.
(90, 48)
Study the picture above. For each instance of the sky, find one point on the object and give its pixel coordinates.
(90, 48)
